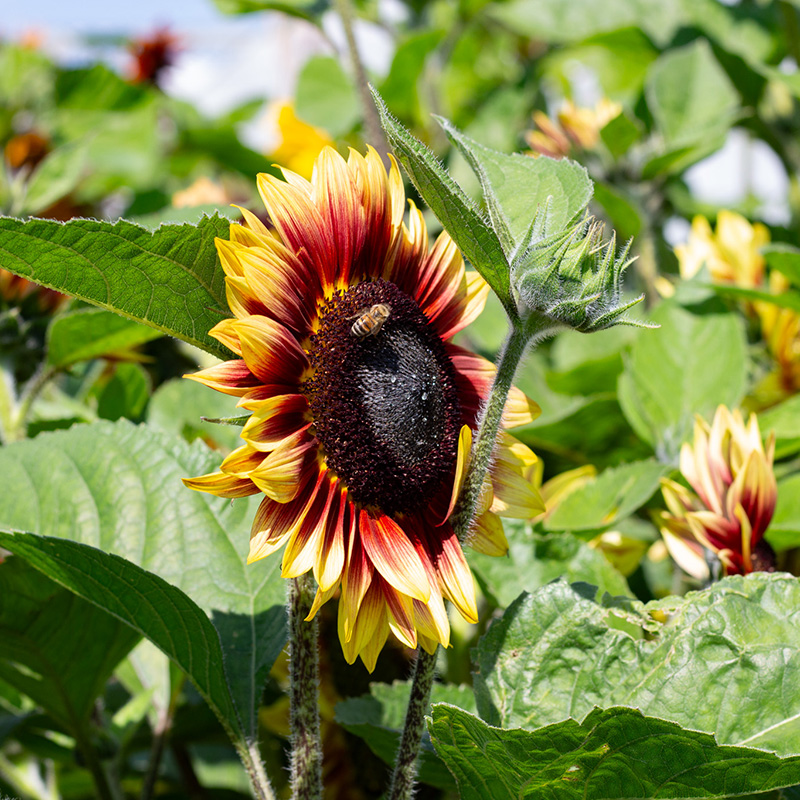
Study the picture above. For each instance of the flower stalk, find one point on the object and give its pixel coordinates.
(306, 762)
(405, 766)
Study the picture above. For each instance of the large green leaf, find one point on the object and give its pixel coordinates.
(690, 97)
(178, 407)
(378, 719)
(613, 754)
(118, 487)
(785, 259)
(326, 97)
(534, 560)
(57, 648)
(452, 206)
(515, 187)
(784, 421)
(688, 366)
(148, 604)
(556, 21)
(169, 278)
(723, 661)
(612, 496)
(92, 333)
(784, 530)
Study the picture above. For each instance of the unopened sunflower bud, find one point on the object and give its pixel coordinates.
(572, 279)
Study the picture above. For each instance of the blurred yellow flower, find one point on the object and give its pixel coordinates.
(576, 127)
(300, 143)
(732, 253)
(733, 500)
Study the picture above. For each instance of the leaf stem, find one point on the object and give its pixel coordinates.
(93, 764)
(372, 124)
(306, 762)
(488, 427)
(405, 767)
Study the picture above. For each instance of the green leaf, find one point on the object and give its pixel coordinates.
(555, 22)
(784, 421)
(168, 279)
(619, 59)
(612, 496)
(326, 97)
(177, 406)
(534, 560)
(125, 394)
(784, 530)
(625, 217)
(190, 214)
(453, 208)
(57, 648)
(785, 259)
(690, 97)
(721, 661)
(786, 299)
(613, 754)
(118, 487)
(688, 366)
(516, 186)
(148, 604)
(92, 333)
(56, 176)
(399, 89)
(378, 719)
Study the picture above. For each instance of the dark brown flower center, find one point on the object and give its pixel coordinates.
(383, 397)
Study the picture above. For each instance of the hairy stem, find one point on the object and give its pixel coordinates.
(372, 124)
(306, 767)
(405, 767)
(488, 427)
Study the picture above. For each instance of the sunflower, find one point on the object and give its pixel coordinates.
(362, 407)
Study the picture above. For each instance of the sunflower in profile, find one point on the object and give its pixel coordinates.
(362, 408)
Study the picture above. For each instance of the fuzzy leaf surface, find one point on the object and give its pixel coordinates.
(459, 216)
(613, 754)
(724, 661)
(118, 487)
(516, 186)
(169, 278)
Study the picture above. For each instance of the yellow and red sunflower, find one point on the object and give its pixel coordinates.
(359, 438)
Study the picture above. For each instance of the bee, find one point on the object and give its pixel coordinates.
(370, 320)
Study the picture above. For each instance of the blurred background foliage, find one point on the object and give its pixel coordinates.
(684, 112)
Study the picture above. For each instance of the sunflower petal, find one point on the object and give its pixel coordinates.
(393, 555)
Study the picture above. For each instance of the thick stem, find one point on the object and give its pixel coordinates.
(372, 124)
(306, 767)
(488, 427)
(405, 767)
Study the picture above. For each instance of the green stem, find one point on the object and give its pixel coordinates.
(93, 764)
(306, 766)
(488, 427)
(405, 766)
(32, 390)
(372, 124)
(8, 404)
